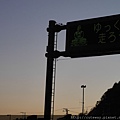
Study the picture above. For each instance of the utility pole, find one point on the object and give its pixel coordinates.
(24, 115)
(83, 87)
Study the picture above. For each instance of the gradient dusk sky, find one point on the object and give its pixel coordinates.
(23, 41)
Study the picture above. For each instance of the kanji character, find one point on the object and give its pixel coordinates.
(102, 38)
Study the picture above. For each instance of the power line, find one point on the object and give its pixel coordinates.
(74, 111)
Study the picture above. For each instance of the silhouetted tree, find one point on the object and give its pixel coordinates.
(109, 103)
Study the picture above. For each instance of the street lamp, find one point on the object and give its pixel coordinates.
(83, 86)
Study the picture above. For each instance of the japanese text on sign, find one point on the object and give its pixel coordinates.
(108, 33)
(105, 34)
(90, 37)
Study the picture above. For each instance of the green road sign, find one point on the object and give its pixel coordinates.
(92, 37)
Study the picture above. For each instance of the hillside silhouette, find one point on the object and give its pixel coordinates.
(109, 103)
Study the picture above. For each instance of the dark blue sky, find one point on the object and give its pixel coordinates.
(23, 41)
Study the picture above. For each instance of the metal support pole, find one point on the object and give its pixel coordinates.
(83, 102)
(83, 86)
(49, 71)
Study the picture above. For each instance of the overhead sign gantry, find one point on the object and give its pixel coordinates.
(84, 38)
